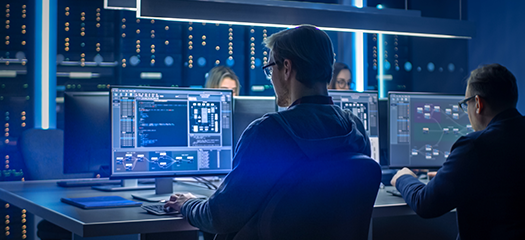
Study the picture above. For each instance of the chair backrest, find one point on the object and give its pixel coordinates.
(331, 198)
(43, 154)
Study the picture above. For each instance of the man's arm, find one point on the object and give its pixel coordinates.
(243, 191)
(447, 189)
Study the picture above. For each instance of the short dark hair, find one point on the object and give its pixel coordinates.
(338, 66)
(310, 50)
(496, 84)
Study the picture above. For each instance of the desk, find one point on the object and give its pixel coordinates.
(42, 198)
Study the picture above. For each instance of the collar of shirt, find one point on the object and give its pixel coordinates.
(318, 99)
(509, 113)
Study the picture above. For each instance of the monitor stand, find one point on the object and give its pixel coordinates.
(163, 191)
(127, 185)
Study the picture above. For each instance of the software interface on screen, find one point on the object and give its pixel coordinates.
(423, 128)
(166, 132)
(365, 106)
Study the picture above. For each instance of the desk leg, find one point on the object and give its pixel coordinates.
(370, 230)
(118, 237)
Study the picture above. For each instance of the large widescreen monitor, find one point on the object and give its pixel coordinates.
(166, 132)
(365, 106)
(423, 127)
(86, 132)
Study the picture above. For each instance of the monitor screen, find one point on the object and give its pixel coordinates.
(86, 121)
(246, 109)
(170, 132)
(365, 106)
(423, 127)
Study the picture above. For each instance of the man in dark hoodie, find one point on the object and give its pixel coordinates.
(300, 67)
(482, 176)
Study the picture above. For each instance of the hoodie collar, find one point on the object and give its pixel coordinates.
(317, 99)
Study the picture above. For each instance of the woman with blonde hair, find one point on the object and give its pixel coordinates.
(223, 77)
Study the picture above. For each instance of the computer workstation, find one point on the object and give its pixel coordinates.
(163, 133)
(422, 127)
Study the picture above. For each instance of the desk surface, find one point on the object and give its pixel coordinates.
(42, 198)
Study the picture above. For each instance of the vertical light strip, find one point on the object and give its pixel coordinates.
(381, 66)
(45, 65)
(357, 3)
(359, 61)
(358, 54)
(37, 66)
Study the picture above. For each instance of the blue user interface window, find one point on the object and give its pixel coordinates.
(171, 132)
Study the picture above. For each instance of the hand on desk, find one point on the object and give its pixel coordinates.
(404, 171)
(177, 200)
(431, 175)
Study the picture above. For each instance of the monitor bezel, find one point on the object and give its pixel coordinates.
(388, 126)
(170, 173)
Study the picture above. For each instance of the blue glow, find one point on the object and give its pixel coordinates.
(201, 61)
(379, 6)
(381, 68)
(431, 67)
(387, 65)
(408, 66)
(230, 62)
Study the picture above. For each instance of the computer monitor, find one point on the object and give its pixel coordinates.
(168, 132)
(383, 131)
(423, 127)
(248, 108)
(365, 106)
(86, 132)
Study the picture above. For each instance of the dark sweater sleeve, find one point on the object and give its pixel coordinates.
(447, 190)
(242, 191)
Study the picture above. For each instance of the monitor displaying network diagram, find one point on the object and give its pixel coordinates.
(365, 106)
(423, 128)
(170, 132)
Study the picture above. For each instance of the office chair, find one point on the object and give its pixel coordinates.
(43, 155)
(328, 199)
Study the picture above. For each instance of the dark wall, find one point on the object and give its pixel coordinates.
(499, 31)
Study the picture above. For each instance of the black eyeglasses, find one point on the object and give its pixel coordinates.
(463, 104)
(268, 70)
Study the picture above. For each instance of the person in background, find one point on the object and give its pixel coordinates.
(341, 78)
(483, 175)
(223, 77)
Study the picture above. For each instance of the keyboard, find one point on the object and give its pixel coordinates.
(159, 209)
(87, 182)
(394, 192)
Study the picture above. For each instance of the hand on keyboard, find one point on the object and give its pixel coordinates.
(176, 200)
(159, 209)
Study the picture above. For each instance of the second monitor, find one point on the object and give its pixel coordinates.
(423, 127)
(365, 106)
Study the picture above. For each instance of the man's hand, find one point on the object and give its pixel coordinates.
(404, 171)
(431, 175)
(177, 200)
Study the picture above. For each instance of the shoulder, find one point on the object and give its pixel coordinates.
(260, 127)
